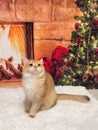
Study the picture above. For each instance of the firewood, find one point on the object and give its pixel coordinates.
(5, 73)
(16, 72)
(1, 75)
(10, 59)
(20, 67)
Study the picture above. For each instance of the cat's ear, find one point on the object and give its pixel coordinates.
(41, 61)
(25, 60)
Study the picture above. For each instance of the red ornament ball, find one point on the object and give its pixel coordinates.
(79, 40)
(95, 22)
(77, 25)
(96, 52)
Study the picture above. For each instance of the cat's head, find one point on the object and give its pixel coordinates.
(34, 67)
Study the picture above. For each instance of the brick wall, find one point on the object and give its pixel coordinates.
(53, 21)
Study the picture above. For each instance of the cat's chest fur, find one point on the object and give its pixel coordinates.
(33, 87)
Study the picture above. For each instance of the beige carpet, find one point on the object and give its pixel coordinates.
(66, 115)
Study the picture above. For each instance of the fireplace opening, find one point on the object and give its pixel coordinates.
(16, 43)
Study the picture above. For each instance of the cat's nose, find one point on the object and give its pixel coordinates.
(35, 66)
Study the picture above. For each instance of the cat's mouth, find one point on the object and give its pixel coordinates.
(35, 71)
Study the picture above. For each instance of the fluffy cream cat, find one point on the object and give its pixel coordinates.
(39, 88)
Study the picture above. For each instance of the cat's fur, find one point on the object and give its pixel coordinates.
(39, 88)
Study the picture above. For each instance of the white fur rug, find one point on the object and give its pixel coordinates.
(66, 115)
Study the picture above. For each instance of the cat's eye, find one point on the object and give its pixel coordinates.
(39, 64)
(31, 64)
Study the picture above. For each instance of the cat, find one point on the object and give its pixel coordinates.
(39, 88)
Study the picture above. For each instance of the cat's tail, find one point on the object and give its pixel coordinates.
(79, 98)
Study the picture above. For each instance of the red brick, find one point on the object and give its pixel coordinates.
(62, 14)
(53, 30)
(60, 3)
(71, 3)
(42, 13)
(39, 10)
(7, 14)
(33, 13)
(78, 12)
(30, 2)
(69, 23)
(42, 2)
(22, 2)
(65, 3)
(44, 48)
(68, 34)
(21, 12)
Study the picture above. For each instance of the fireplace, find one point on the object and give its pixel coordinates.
(46, 23)
(16, 43)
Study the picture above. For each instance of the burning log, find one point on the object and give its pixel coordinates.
(1, 75)
(9, 70)
(4, 73)
(10, 59)
(20, 67)
(17, 73)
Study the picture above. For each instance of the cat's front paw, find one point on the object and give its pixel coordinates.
(27, 111)
(32, 115)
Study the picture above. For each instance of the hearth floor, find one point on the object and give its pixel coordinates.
(10, 83)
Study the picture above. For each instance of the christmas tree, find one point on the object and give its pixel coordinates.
(81, 66)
